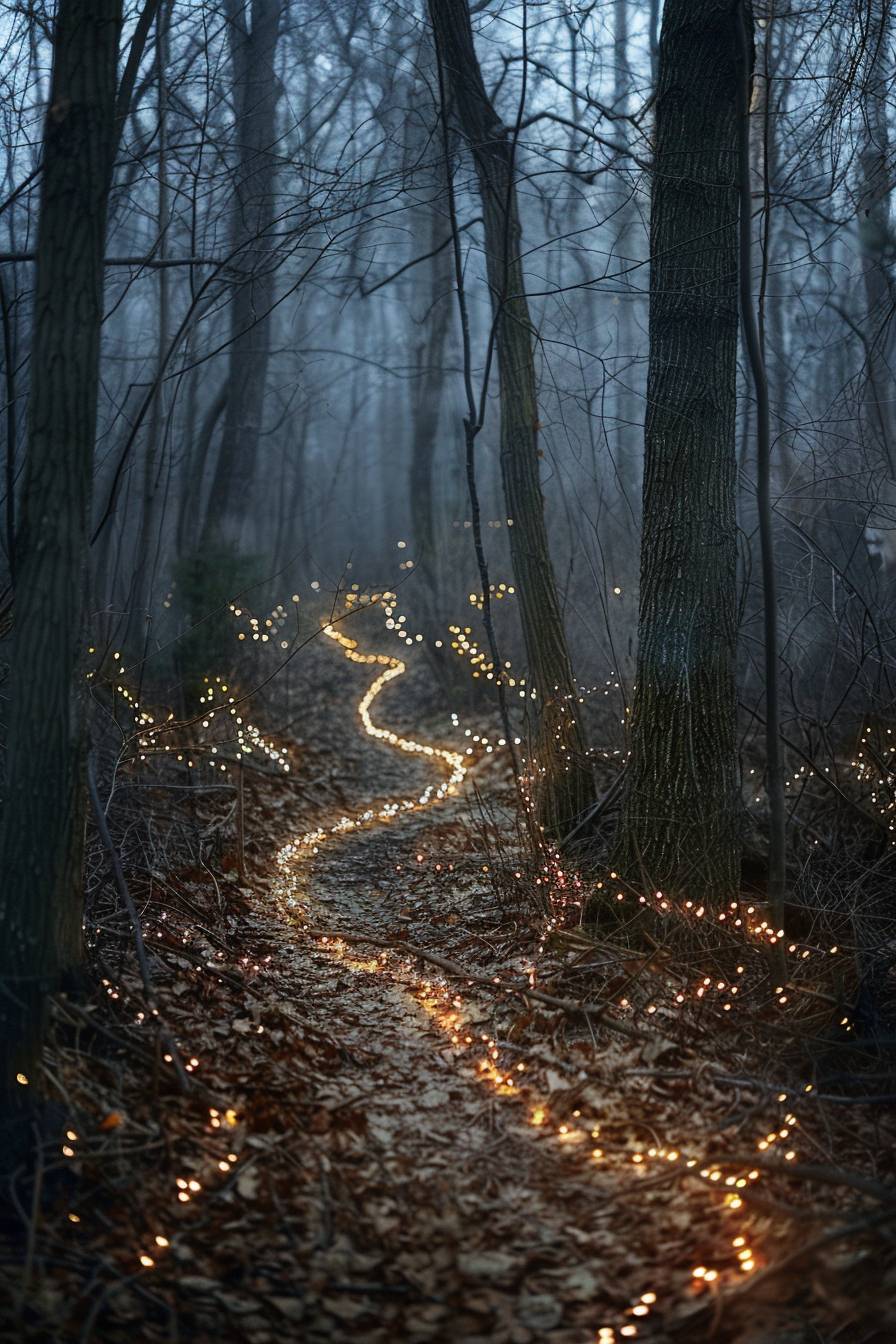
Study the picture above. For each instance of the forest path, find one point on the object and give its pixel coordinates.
(442, 1212)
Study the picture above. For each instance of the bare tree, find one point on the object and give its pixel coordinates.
(679, 829)
(565, 785)
(877, 247)
(146, 560)
(43, 816)
(253, 45)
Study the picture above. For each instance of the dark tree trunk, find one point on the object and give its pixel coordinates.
(426, 407)
(194, 469)
(41, 837)
(564, 784)
(257, 90)
(626, 404)
(140, 614)
(679, 829)
(876, 237)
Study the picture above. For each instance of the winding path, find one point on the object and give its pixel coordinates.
(482, 1225)
(289, 858)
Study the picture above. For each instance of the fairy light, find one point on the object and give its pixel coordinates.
(158, 733)
(564, 894)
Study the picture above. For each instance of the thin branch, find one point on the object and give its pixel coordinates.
(365, 293)
(573, 1007)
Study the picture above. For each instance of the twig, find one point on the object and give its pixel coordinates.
(603, 802)
(241, 825)
(128, 902)
(120, 881)
(32, 1225)
(571, 1006)
(812, 1171)
(763, 1275)
(793, 1094)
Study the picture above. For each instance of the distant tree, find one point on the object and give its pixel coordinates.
(679, 827)
(253, 29)
(146, 558)
(42, 828)
(426, 404)
(877, 242)
(565, 784)
(627, 409)
(432, 311)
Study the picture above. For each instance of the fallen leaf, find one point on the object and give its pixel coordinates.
(485, 1264)
(247, 1183)
(539, 1311)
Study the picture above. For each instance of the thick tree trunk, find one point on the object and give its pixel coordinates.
(563, 780)
(41, 836)
(679, 828)
(257, 89)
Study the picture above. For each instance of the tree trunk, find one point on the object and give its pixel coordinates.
(625, 402)
(41, 837)
(426, 406)
(877, 248)
(562, 778)
(257, 88)
(876, 240)
(140, 613)
(679, 828)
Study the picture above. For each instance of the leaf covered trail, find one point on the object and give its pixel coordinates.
(372, 1150)
(447, 1206)
(432, 1185)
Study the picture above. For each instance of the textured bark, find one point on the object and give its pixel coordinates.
(431, 309)
(876, 240)
(564, 781)
(257, 91)
(10, 424)
(41, 836)
(626, 403)
(679, 828)
(426, 408)
(753, 327)
(198, 451)
(876, 237)
(152, 516)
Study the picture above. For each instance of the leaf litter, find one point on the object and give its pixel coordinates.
(373, 1149)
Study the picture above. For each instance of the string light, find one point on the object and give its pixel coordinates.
(445, 1005)
(564, 892)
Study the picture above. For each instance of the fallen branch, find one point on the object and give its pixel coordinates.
(127, 901)
(716, 1304)
(571, 1006)
(793, 1094)
(813, 1171)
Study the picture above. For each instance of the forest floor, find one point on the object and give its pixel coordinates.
(380, 1138)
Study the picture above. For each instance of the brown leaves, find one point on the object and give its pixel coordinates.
(494, 1265)
(357, 1177)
